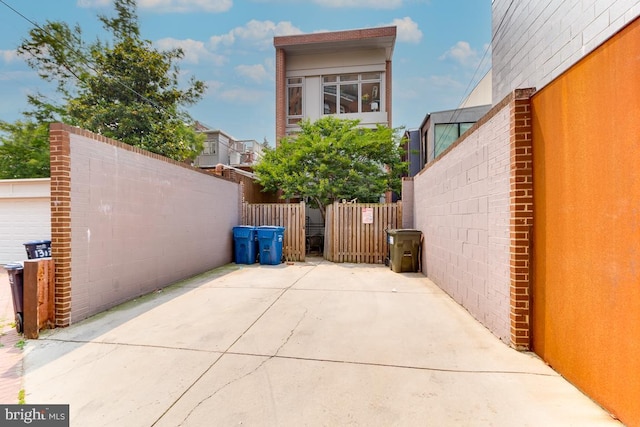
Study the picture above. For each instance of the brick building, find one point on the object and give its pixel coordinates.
(343, 73)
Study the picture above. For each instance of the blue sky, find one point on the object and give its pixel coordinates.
(440, 50)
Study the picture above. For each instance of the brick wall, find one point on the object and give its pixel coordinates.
(61, 220)
(281, 94)
(521, 222)
(126, 222)
(537, 40)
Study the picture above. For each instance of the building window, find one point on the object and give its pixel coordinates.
(351, 93)
(294, 100)
(445, 134)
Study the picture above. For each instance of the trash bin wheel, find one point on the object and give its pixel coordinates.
(19, 324)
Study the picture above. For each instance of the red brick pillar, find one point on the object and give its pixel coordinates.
(281, 95)
(388, 91)
(61, 220)
(521, 218)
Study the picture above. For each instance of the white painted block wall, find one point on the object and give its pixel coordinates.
(537, 40)
(461, 204)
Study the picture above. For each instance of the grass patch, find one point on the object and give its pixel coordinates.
(21, 400)
(20, 344)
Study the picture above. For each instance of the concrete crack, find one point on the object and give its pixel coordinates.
(231, 346)
(254, 370)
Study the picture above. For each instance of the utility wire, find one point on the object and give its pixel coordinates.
(91, 66)
(458, 111)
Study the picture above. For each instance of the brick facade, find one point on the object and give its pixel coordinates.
(281, 94)
(61, 220)
(312, 55)
(521, 222)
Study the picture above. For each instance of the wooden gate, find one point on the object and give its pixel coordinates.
(355, 232)
(291, 216)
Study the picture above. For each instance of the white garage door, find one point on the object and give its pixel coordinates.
(25, 214)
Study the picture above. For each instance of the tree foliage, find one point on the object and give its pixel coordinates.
(24, 150)
(333, 159)
(122, 88)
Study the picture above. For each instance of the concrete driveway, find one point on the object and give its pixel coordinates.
(314, 343)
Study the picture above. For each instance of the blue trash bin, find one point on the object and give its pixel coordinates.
(244, 243)
(270, 240)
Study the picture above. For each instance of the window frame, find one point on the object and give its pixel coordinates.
(294, 119)
(337, 81)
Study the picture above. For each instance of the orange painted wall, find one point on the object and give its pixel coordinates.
(586, 284)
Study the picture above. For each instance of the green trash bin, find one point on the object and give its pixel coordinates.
(404, 250)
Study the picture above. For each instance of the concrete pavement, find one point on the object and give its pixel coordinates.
(316, 344)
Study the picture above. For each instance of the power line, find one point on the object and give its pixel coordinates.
(458, 110)
(88, 63)
(92, 67)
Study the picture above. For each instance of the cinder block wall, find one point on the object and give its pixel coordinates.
(462, 207)
(126, 222)
(408, 201)
(537, 40)
(24, 216)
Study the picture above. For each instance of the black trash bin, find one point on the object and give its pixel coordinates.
(38, 249)
(15, 272)
(404, 248)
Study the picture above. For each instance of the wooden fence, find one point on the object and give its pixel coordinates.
(356, 232)
(291, 216)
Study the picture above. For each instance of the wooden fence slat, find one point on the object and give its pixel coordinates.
(347, 239)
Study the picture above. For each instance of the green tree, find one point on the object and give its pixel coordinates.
(24, 150)
(333, 159)
(123, 88)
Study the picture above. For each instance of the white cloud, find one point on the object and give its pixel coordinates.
(256, 73)
(260, 33)
(181, 6)
(17, 76)
(168, 6)
(213, 86)
(9, 55)
(445, 81)
(370, 4)
(241, 95)
(194, 51)
(463, 54)
(407, 30)
(94, 3)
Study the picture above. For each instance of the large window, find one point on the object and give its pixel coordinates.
(294, 100)
(351, 93)
(446, 133)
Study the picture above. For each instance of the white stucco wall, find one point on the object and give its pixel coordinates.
(539, 39)
(25, 214)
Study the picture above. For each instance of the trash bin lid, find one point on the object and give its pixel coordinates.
(243, 231)
(13, 266)
(33, 242)
(403, 230)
